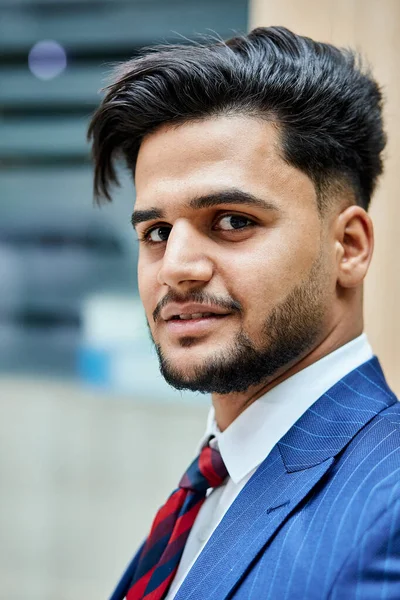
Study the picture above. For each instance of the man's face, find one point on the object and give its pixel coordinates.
(230, 234)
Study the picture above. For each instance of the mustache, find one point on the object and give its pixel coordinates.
(197, 297)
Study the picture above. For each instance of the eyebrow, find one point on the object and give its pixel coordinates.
(231, 196)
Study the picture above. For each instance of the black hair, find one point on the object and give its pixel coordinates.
(326, 104)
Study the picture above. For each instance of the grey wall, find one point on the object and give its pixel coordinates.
(55, 247)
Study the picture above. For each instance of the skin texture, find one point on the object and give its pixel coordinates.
(252, 270)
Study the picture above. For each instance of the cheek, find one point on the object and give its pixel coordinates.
(247, 277)
(260, 271)
(262, 276)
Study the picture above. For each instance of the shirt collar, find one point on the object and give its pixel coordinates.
(253, 434)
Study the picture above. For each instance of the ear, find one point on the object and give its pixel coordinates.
(354, 246)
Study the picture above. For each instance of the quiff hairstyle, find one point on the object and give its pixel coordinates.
(324, 102)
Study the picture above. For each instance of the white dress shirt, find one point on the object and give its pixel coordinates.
(252, 435)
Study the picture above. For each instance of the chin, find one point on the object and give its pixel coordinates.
(185, 361)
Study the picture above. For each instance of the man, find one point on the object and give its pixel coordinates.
(254, 163)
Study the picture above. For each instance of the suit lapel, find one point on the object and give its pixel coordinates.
(286, 476)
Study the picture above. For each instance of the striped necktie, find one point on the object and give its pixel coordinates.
(164, 546)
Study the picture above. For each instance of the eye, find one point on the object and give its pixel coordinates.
(157, 234)
(234, 222)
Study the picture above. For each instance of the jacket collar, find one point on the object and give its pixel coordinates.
(329, 425)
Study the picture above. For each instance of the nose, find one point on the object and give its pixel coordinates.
(185, 262)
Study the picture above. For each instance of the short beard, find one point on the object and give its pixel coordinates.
(291, 330)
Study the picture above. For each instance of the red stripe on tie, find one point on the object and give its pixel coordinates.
(207, 469)
(137, 590)
(185, 521)
(163, 521)
(173, 505)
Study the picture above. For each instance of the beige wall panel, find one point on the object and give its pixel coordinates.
(372, 27)
(83, 474)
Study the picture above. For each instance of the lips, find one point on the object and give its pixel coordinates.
(195, 325)
(188, 316)
(186, 312)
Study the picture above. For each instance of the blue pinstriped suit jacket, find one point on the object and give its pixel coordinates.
(320, 518)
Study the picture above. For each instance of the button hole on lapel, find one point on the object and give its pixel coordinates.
(271, 508)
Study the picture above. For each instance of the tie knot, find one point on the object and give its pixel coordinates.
(206, 471)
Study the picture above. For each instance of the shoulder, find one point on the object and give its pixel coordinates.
(365, 478)
(376, 446)
(392, 415)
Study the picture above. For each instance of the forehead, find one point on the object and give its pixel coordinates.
(176, 163)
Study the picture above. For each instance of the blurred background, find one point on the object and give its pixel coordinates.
(91, 438)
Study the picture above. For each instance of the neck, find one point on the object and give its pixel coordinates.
(229, 406)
